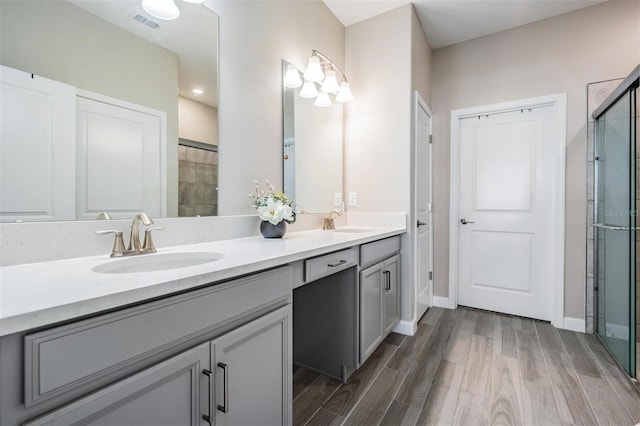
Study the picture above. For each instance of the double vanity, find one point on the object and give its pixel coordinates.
(196, 334)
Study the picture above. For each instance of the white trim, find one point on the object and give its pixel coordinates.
(162, 115)
(406, 327)
(441, 302)
(573, 324)
(559, 102)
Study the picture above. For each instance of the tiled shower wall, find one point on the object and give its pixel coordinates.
(596, 94)
(197, 182)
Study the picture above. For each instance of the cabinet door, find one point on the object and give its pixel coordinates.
(171, 393)
(253, 372)
(391, 293)
(371, 309)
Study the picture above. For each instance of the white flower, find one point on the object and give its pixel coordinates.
(287, 213)
(274, 211)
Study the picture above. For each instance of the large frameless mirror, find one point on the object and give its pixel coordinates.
(312, 151)
(143, 110)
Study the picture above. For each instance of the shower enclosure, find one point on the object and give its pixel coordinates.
(617, 236)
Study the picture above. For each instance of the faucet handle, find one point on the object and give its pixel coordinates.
(118, 244)
(147, 245)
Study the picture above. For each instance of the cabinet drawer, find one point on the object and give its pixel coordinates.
(331, 263)
(62, 358)
(376, 251)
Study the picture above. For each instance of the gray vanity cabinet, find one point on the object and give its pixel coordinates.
(170, 393)
(371, 309)
(391, 293)
(253, 379)
(379, 293)
(249, 384)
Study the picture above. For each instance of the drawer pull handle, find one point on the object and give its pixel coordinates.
(225, 370)
(335, 264)
(207, 417)
(387, 274)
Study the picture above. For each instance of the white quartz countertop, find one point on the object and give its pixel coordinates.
(38, 294)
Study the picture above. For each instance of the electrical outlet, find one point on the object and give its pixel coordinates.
(337, 199)
(353, 199)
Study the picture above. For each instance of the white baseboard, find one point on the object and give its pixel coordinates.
(574, 324)
(441, 302)
(406, 327)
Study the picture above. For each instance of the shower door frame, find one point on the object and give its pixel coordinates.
(629, 85)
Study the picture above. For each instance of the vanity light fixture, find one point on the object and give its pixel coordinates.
(320, 70)
(323, 100)
(308, 90)
(292, 77)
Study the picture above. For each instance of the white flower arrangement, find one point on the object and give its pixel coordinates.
(272, 206)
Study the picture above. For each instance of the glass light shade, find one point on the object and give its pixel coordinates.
(194, 1)
(344, 95)
(161, 9)
(314, 70)
(292, 77)
(330, 84)
(322, 100)
(308, 90)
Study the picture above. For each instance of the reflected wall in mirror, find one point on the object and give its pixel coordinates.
(312, 151)
(120, 58)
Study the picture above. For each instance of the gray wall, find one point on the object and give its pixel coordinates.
(560, 54)
(388, 57)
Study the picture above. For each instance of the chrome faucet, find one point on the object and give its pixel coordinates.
(134, 247)
(327, 222)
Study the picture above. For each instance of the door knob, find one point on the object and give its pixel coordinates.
(465, 221)
(420, 223)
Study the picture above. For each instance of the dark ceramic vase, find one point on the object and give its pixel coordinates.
(269, 230)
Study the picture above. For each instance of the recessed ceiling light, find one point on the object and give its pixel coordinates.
(198, 91)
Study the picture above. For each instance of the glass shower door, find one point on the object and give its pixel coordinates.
(615, 230)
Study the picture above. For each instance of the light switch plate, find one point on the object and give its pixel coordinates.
(337, 200)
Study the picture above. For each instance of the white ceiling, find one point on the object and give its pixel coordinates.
(447, 22)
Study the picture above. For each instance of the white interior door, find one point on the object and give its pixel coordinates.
(423, 198)
(120, 160)
(506, 212)
(37, 147)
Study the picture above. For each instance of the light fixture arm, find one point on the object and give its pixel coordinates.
(327, 63)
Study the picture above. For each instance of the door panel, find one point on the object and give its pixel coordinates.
(371, 313)
(120, 166)
(36, 116)
(249, 360)
(170, 393)
(423, 212)
(505, 211)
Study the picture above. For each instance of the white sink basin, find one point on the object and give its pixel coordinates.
(156, 262)
(352, 230)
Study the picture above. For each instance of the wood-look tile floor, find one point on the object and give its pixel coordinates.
(470, 367)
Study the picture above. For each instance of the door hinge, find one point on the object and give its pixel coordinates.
(430, 275)
(430, 138)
